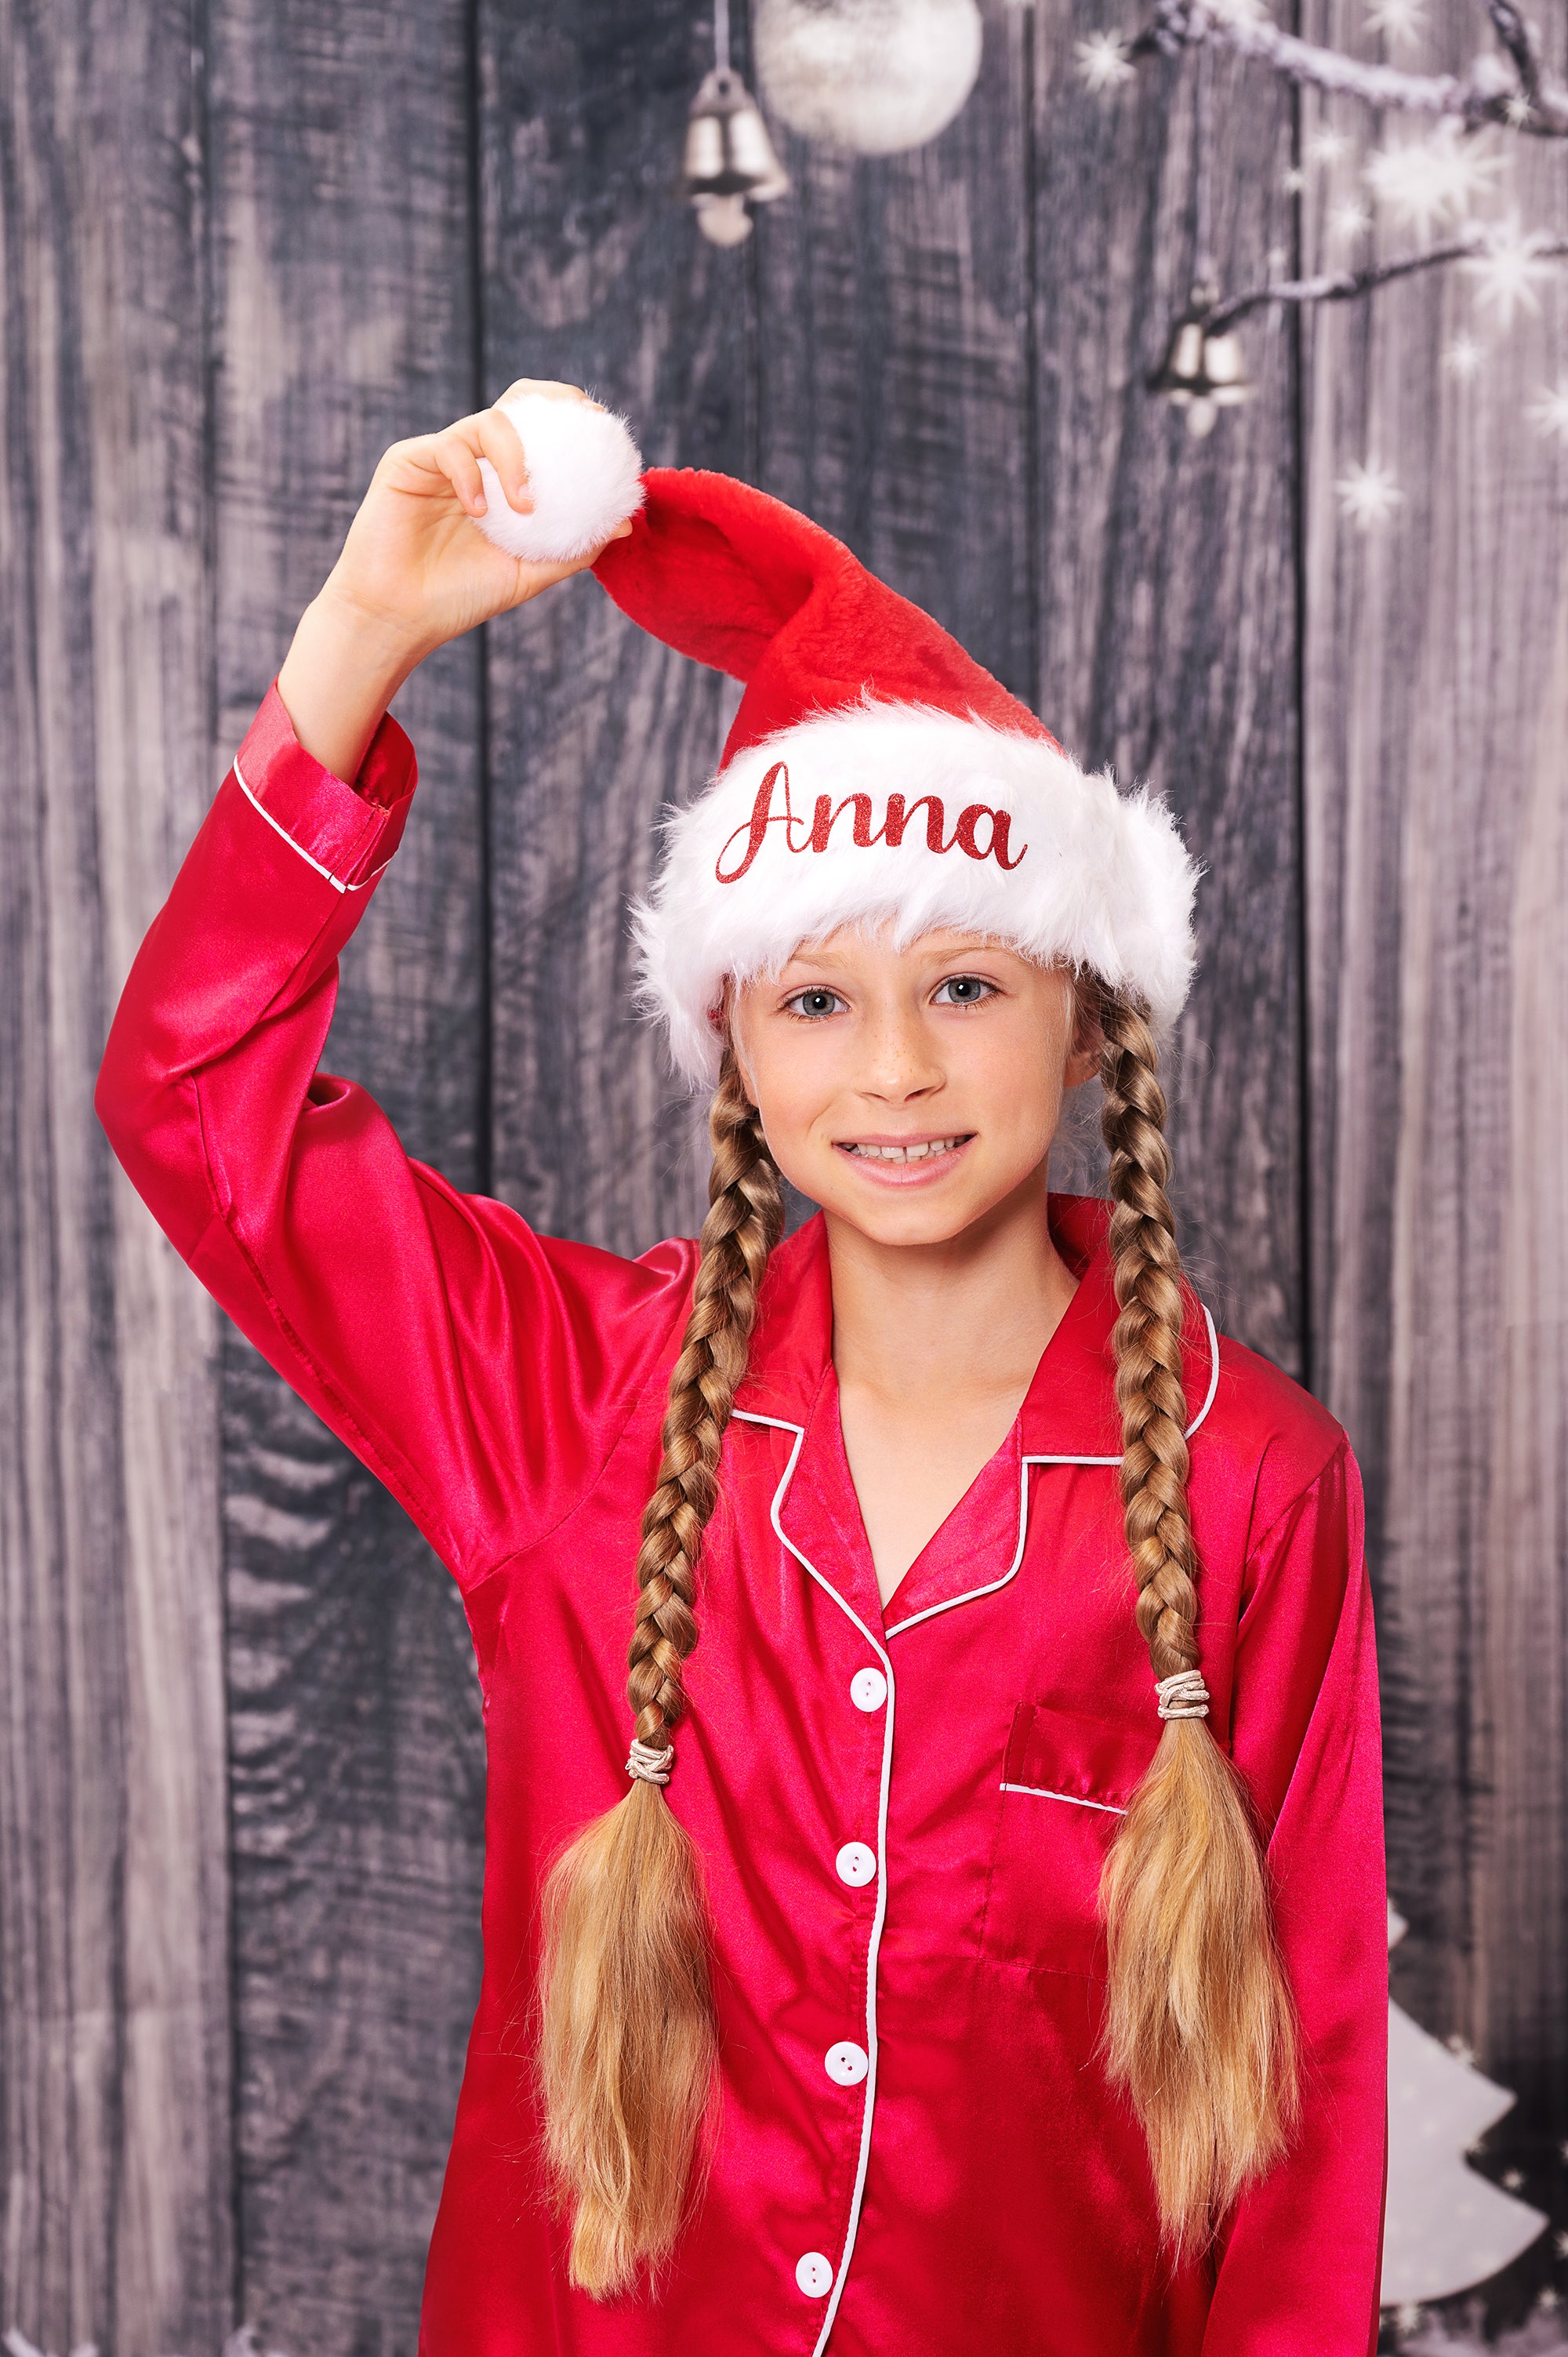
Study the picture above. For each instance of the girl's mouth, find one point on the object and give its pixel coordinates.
(905, 1162)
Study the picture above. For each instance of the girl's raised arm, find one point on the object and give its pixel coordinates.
(434, 1331)
(413, 573)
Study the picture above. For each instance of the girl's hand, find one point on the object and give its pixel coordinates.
(414, 563)
(415, 571)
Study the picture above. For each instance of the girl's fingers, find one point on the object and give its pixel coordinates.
(457, 460)
(503, 445)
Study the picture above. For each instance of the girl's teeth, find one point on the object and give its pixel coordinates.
(906, 1153)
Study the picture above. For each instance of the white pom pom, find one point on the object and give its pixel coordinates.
(583, 477)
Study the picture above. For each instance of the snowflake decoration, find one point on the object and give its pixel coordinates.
(1519, 111)
(1466, 2054)
(1102, 62)
(1508, 272)
(1513, 2180)
(1368, 495)
(1463, 358)
(1548, 2299)
(1408, 2317)
(1400, 22)
(1293, 181)
(1548, 413)
(1350, 220)
(1326, 147)
(1427, 182)
(1560, 2241)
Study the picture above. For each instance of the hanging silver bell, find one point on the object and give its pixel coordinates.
(1181, 376)
(729, 161)
(1202, 371)
(1225, 368)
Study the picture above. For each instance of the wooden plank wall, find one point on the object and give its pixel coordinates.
(116, 2124)
(1435, 783)
(344, 319)
(241, 255)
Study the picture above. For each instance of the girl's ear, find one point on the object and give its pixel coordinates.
(1087, 1046)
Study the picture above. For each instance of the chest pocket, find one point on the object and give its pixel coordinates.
(1066, 1779)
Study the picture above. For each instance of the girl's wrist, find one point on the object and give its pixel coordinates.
(343, 667)
(380, 637)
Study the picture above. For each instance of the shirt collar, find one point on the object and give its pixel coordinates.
(1070, 1409)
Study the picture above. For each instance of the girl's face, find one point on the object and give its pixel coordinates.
(910, 1091)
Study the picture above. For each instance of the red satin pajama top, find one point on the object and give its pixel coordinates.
(902, 1812)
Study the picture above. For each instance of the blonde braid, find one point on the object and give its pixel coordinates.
(626, 2051)
(744, 1219)
(1199, 2027)
(1147, 1345)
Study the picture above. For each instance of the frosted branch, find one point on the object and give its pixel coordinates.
(1522, 99)
(1337, 286)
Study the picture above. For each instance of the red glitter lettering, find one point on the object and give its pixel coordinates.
(763, 816)
(1000, 828)
(898, 819)
(825, 816)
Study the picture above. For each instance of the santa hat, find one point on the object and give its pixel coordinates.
(874, 773)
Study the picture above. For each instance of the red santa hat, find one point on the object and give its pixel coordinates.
(874, 774)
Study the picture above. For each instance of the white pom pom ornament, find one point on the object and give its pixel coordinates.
(876, 77)
(584, 472)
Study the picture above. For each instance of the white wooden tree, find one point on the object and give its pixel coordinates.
(1446, 2227)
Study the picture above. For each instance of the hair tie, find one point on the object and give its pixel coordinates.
(1183, 1695)
(648, 1764)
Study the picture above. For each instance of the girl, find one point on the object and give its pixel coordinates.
(982, 1946)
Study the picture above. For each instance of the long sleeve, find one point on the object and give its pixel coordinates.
(1301, 2261)
(482, 1371)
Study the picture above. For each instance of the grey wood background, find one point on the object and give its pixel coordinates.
(1437, 788)
(244, 247)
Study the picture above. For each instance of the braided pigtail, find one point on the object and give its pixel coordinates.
(627, 2048)
(1199, 2027)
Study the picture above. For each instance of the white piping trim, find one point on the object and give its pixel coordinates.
(1042, 1792)
(990, 1587)
(1213, 1371)
(336, 883)
(781, 1424)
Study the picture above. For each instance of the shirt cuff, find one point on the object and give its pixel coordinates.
(347, 833)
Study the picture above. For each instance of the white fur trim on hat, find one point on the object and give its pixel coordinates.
(1036, 853)
(583, 476)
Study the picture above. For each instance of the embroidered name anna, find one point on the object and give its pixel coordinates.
(965, 835)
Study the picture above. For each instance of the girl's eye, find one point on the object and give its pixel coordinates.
(813, 1003)
(963, 990)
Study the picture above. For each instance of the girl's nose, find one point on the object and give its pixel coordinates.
(898, 1061)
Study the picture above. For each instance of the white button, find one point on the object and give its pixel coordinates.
(857, 1864)
(868, 1690)
(814, 2274)
(846, 2064)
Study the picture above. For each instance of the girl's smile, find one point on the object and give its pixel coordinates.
(905, 1162)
